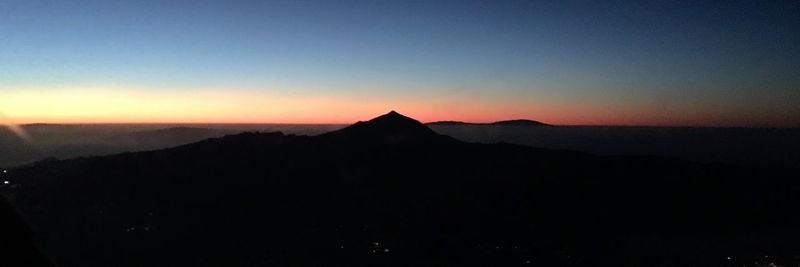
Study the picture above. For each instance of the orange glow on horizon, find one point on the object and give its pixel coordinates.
(142, 106)
(230, 106)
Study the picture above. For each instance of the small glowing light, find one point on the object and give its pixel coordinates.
(342, 247)
(528, 262)
(6, 182)
(728, 258)
(5, 171)
(386, 250)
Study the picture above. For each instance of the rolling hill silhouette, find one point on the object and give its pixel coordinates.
(389, 191)
(519, 122)
(173, 135)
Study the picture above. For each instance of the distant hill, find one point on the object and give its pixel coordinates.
(520, 122)
(392, 192)
(172, 136)
(451, 123)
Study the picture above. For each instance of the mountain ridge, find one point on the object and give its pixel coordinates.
(389, 128)
(388, 192)
(515, 122)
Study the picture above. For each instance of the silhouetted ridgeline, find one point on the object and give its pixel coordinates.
(749, 146)
(80, 140)
(390, 191)
(503, 123)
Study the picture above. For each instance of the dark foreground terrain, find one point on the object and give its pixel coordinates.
(390, 191)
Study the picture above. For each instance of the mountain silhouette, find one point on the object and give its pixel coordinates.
(173, 135)
(450, 123)
(391, 127)
(389, 191)
(521, 123)
(518, 122)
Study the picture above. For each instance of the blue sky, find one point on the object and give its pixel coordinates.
(669, 62)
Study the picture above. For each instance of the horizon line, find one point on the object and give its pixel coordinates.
(425, 122)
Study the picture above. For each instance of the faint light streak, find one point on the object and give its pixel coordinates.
(15, 129)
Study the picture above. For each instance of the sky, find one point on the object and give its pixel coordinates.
(665, 63)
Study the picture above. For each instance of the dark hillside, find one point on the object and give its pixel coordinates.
(390, 191)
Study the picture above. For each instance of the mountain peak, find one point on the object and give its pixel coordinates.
(394, 118)
(391, 125)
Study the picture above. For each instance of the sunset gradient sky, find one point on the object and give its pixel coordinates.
(676, 63)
